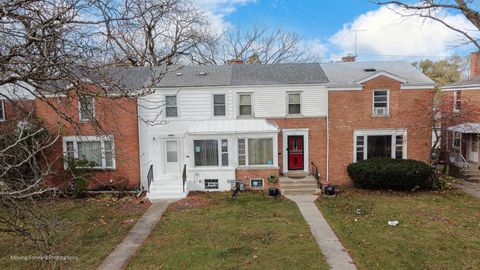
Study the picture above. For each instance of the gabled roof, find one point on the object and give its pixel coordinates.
(243, 74)
(471, 84)
(353, 74)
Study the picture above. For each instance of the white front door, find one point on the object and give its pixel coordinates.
(172, 164)
(473, 148)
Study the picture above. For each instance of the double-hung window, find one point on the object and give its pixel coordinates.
(98, 150)
(86, 108)
(245, 104)
(219, 105)
(294, 103)
(2, 110)
(457, 101)
(171, 109)
(210, 153)
(380, 102)
(255, 151)
(457, 139)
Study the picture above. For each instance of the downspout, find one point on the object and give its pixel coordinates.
(328, 139)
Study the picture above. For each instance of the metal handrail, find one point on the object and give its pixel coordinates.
(150, 177)
(315, 173)
(458, 158)
(184, 176)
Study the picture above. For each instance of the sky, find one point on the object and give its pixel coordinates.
(327, 27)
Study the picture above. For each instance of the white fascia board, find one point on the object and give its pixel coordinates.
(460, 88)
(417, 87)
(381, 73)
(344, 88)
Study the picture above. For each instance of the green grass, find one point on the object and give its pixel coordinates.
(88, 229)
(250, 232)
(437, 230)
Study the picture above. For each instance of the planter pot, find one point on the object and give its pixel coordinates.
(274, 192)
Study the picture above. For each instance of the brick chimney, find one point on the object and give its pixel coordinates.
(349, 58)
(475, 64)
(235, 62)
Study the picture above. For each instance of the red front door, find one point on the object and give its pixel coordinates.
(295, 152)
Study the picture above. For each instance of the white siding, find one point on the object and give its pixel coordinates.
(268, 102)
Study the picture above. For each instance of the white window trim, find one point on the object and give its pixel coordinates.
(295, 132)
(247, 164)
(178, 111)
(288, 103)
(3, 117)
(213, 105)
(252, 115)
(102, 139)
(257, 179)
(80, 111)
(380, 132)
(455, 99)
(388, 103)
(219, 152)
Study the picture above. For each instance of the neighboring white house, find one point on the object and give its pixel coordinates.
(217, 120)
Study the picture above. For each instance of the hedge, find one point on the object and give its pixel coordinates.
(395, 174)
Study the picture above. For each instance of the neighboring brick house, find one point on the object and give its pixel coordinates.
(16, 104)
(214, 124)
(98, 124)
(377, 109)
(461, 144)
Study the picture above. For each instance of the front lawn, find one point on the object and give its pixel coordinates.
(87, 230)
(436, 230)
(213, 231)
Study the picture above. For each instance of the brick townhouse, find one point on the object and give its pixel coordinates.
(461, 143)
(200, 127)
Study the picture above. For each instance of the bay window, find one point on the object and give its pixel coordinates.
(254, 152)
(99, 150)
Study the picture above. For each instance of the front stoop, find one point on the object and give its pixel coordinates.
(305, 186)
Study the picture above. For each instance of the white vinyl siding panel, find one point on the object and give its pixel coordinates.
(267, 102)
(270, 103)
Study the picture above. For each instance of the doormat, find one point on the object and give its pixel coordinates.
(296, 177)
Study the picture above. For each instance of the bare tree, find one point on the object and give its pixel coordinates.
(435, 10)
(257, 45)
(160, 32)
(68, 50)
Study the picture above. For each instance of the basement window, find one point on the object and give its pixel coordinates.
(211, 183)
(256, 183)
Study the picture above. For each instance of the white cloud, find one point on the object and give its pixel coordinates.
(389, 33)
(216, 10)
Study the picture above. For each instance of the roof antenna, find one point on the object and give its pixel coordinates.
(356, 32)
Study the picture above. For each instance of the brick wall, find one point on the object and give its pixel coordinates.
(17, 110)
(246, 175)
(317, 140)
(117, 117)
(350, 110)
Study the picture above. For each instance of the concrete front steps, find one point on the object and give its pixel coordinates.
(305, 186)
(472, 173)
(167, 187)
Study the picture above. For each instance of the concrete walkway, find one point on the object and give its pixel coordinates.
(120, 256)
(331, 247)
(472, 188)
